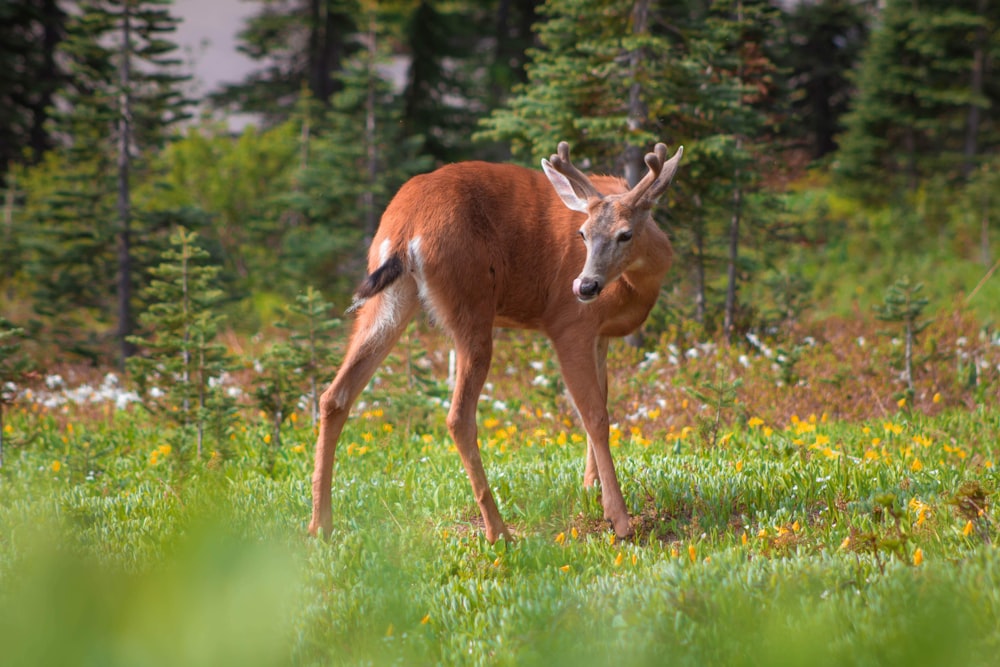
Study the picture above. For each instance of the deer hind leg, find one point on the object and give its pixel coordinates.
(473, 355)
(582, 374)
(590, 470)
(380, 322)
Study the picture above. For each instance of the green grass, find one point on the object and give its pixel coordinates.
(805, 542)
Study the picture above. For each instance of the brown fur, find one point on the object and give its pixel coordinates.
(484, 245)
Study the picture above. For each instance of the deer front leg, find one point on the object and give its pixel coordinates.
(590, 470)
(473, 364)
(579, 362)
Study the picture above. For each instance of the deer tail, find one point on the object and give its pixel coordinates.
(379, 279)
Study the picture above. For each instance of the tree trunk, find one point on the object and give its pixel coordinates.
(734, 252)
(635, 166)
(371, 217)
(972, 120)
(124, 201)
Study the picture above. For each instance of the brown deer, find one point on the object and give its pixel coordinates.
(482, 245)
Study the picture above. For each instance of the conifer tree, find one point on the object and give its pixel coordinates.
(181, 372)
(124, 94)
(13, 366)
(913, 115)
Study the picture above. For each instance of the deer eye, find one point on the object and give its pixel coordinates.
(625, 236)
(582, 235)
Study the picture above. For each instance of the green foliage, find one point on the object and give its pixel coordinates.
(905, 305)
(13, 367)
(181, 374)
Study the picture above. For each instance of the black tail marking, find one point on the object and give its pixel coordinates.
(380, 278)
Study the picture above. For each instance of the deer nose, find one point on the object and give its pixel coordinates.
(587, 289)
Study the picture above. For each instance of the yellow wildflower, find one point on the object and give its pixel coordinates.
(164, 450)
(635, 558)
(768, 431)
(901, 402)
(611, 539)
(564, 568)
(425, 620)
(56, 465)
(574, 533)
(738, 466)
(918, 556)
(298, 449)
(560, 538)
(916, 466)
(968, 529)
(267, 438)
(755, 422)
(743, 538)
(387, 428)
(619, 559)
(937, 397)
(9, 428)
(692, 553)
(846, 543)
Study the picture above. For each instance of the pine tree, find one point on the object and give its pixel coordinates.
(919, 109)
(904, 304)
(181, 372)
(13, 366)
(300, 44)
(30, 33)
(124, 95)
(576, 82)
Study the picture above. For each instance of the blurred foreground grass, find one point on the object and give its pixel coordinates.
(814, 542)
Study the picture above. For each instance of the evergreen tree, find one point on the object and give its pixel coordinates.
(30, 33)
(576, 81)
(13, 366)
(300, 44)
(920, 108)
(123, 96)
(823, 45)
(181, 372)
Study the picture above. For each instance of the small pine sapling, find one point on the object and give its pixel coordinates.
(180, 374)
(903, 304)
(310, 326)
(13, 367)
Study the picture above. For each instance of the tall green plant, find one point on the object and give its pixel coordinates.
(13, 366)
(904, 305)
(181, 373)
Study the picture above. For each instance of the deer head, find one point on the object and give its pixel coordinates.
(615, 222)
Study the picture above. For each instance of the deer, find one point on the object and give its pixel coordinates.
(480, 246)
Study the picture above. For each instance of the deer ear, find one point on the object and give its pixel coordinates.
(564, 188)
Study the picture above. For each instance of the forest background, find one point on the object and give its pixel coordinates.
(832, 147)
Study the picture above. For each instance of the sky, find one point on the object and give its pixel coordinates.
(207, 37)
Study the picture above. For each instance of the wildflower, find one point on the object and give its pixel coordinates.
(743, 538)
(922, 440)
(387, 428)
(267, 438)
(846, 543)
(9, 428)
(496, 563)
(901, 402)
(796, 527)
(936, 398)
(831, 453)
(916, 466)
(918, 556)
(821, 440)
(893, 428)
(389, 630)
(366, 436)
(574, 533)
(425, 620)
(164, 450)
(968, 529)
(298, 449)
(768, 431)
(56, 465)
(619, 559)
(692, 553)
(674, 553)
(754, 422)
(560, 538)
(611, 540)
(564, 568)
(738, 466)
(561, 439)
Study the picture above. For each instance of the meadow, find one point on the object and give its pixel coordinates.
(793, 505)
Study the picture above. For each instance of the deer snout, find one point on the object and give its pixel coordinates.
(587, 289)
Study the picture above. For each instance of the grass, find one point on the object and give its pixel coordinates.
(862, 533)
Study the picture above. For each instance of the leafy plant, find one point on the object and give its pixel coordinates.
(903, 304)
(182, 372)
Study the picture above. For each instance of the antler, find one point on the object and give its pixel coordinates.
(562, 164)
(661, 172)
